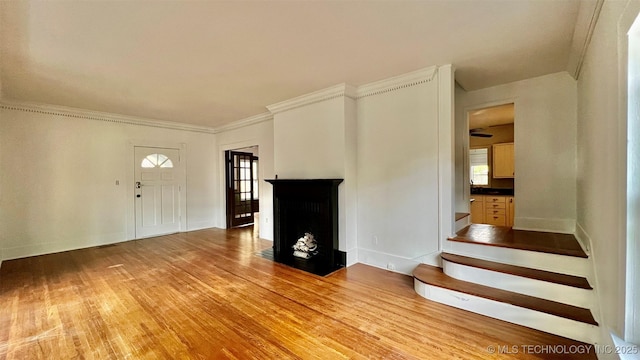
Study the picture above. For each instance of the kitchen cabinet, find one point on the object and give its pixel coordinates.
(511, 204)
(503, 161)
(495, 208)
(477, 209)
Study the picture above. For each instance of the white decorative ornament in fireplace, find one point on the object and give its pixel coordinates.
(305, 247)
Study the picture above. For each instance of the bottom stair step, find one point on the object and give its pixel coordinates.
(434, 276)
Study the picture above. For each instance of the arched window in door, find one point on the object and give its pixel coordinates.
(156, 160)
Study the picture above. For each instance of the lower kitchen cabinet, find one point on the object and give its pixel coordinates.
(493, 210)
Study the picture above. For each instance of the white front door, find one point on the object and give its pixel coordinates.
(157, 191)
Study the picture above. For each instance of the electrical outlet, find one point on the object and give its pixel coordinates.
(391, 266)
(375, 240)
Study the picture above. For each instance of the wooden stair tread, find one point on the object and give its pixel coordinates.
(434, 276)
(548, 276)
(502, 236)
(461, 215)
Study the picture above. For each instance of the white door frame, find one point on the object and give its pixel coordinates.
(130, 179)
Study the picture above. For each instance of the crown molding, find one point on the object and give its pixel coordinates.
(397, 82)
(252, 120)
(588, 14)
(342, 90)
(70, 112)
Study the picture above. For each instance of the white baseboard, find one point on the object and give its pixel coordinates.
(352, 257)
(514, 314)
(200, 225)
(396, 263)
(462, 223)
(565, 226)
(583, 238)
(18, 252)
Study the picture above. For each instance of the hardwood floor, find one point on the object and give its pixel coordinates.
(205, 294)
(501, 236)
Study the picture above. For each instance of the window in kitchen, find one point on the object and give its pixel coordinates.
(479, 166)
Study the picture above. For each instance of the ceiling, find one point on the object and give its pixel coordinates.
(211, 63)
(492, 116)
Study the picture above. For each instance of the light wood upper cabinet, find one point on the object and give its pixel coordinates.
(503, 161)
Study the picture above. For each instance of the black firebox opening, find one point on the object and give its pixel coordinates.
(307, 207)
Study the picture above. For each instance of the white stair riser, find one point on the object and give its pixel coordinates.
(532, 287)
(569, 265)
(521, 316)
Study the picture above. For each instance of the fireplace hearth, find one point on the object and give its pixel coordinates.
(306, 224)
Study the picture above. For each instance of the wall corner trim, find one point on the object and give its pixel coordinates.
(397, 82)
(333, 92)
(70, 112)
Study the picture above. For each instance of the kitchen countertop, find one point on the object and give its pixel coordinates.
(491, 191)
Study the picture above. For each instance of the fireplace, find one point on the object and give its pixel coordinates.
(306, 224)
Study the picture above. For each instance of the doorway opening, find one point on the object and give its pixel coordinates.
(491, 164)
(242, 186)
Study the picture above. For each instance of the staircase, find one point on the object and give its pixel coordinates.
(534, 279)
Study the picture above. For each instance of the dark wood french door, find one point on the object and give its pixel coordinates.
(242, 187)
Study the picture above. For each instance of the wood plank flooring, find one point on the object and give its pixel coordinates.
(206, 295)
(552, 243)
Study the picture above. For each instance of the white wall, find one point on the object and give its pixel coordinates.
(310, 141)
(260, 134)
(398, 216)
(58, 180)
(601, 154)
(545, 147)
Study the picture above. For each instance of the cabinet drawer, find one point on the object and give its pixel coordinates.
(499, 220)
(495, 199)
(497, 211)
(488, 205)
